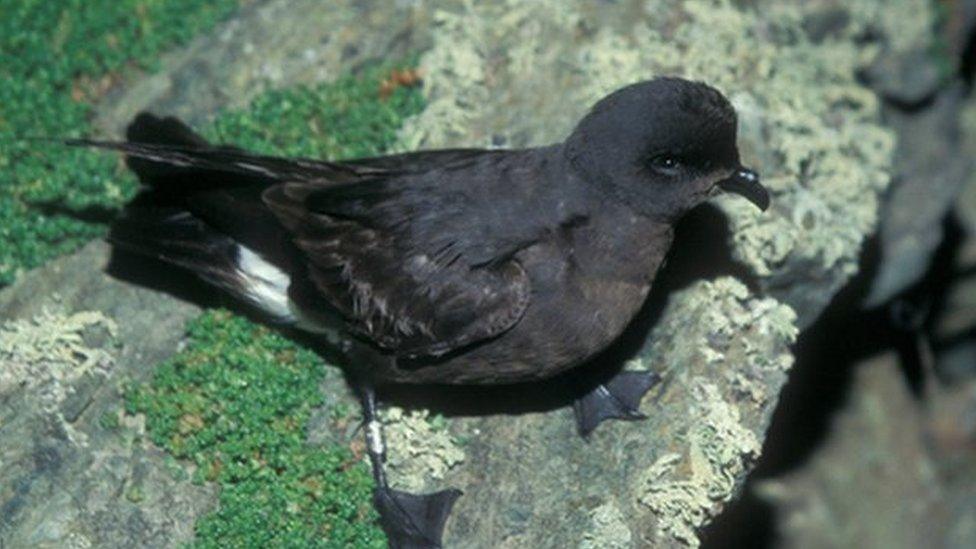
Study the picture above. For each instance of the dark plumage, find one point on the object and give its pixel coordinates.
(454, 266)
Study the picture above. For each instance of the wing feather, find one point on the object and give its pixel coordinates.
(390, 255)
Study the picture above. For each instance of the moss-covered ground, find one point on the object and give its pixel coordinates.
(234, 402)
(56, 58)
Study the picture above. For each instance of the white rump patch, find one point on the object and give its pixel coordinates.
(265, 285)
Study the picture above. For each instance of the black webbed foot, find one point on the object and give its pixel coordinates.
(414, 521)
(618, 398)
(411, 521)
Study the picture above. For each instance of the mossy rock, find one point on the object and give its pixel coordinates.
(520, 73)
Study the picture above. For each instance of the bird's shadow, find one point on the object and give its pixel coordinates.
(700, 252)
(162, 277)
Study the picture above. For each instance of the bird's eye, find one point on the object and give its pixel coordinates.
(666, 163)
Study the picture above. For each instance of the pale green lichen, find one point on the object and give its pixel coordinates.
(48, 353)
(684, 490)
(608, 529)
(741, 339)
(727, 352)
(78, 541)
(421, 452)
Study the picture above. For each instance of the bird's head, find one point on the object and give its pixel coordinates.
(663, 146)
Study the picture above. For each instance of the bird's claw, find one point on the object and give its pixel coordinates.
(413, 521)
(618, 398)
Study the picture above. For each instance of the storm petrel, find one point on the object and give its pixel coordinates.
(459, 266)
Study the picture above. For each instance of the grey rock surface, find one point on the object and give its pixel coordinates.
(896, 468)
(875, 482)
(74, 471)
(934, 161)
(929, 107)
(517, 73)
(275, 43)
(957, 321)
(269, 44)
(906, 78)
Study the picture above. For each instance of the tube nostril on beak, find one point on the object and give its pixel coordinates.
(745, 182)
(747, 175)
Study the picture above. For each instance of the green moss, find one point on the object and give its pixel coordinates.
(110, 420)
(235, 402)
(135, 494)
(342, 119)
(55, 58)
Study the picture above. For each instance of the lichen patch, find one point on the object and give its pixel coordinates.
(419, 451)
(738, 338)
(608, 529)
(721, 349)
(684, 490)
(49, 352)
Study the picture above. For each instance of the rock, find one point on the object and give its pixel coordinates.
(269, 44)
(928, 106)
(957, 317)
(965, 212)
(873, 483)
(74, 472)
(933, 162)
(896, 470)
(959, 24)
(906, 79)
(520, 73)
(825, 23)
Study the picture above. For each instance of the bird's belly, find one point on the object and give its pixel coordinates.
(577, 323)
(571, 318)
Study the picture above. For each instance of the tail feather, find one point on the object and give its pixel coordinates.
(202, 210)
(228, 160)
(159, 149)
(176, 237)
(150, 129)
(179, 238)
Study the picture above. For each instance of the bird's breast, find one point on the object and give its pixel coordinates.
(586, 286)
(584, 294)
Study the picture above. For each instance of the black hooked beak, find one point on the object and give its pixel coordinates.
(745, 182)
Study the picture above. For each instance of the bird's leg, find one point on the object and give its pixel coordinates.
(617, 398)
(410, 521)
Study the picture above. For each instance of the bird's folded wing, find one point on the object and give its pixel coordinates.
(404, 264)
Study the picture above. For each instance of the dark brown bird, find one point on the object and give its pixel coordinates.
(455, 266)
